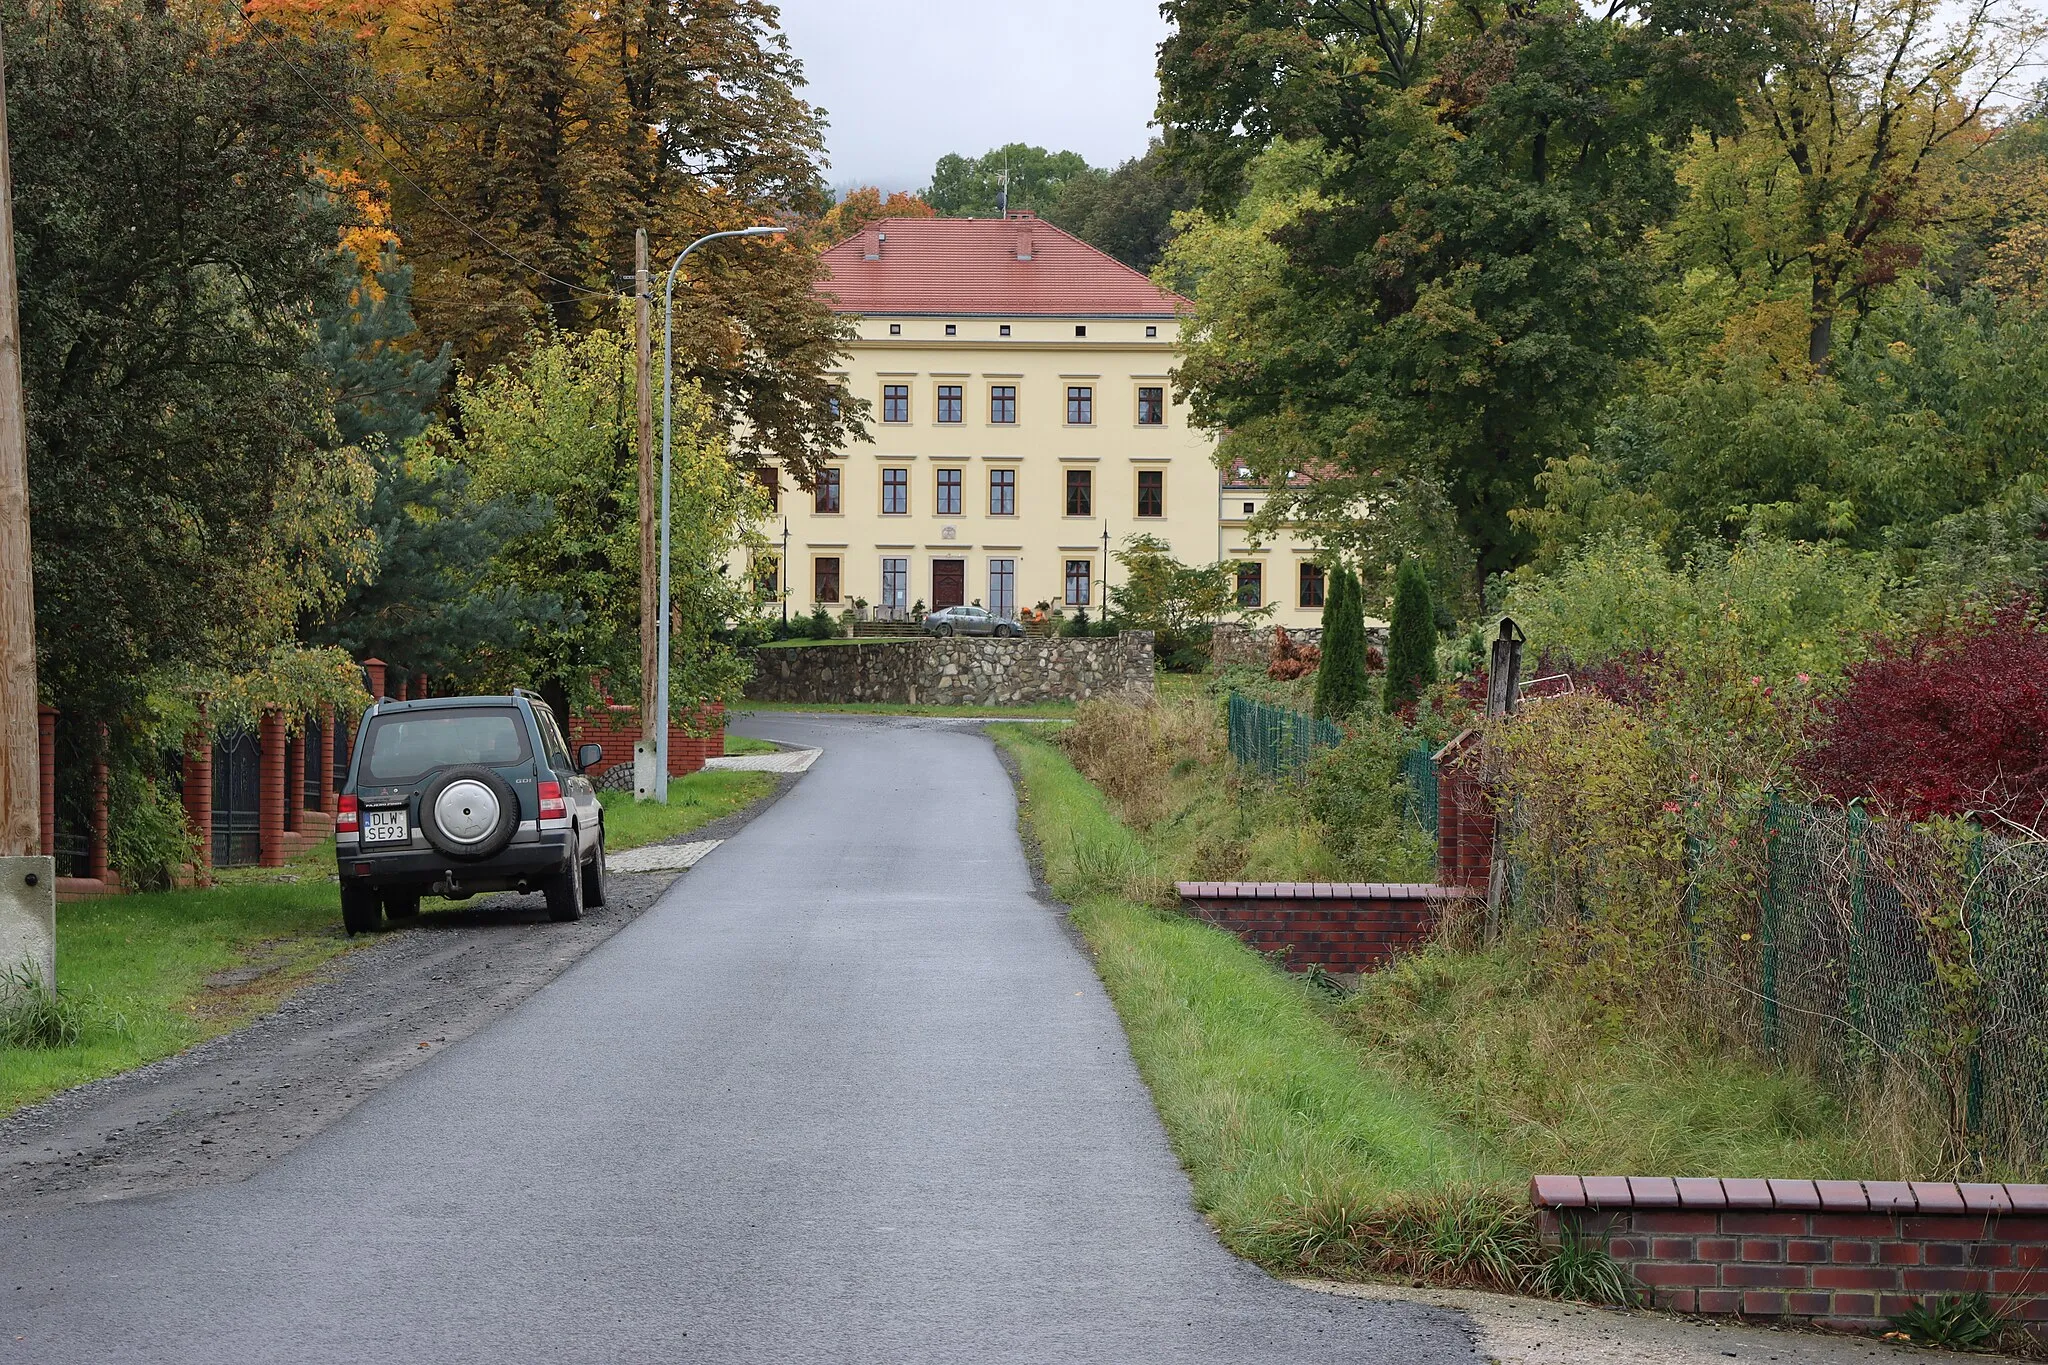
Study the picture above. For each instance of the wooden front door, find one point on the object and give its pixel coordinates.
(949, 583)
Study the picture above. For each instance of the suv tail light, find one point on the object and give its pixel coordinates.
(552, 806)
(348, 818)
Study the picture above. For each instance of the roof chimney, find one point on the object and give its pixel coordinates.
(871, 248)
(1023, 246)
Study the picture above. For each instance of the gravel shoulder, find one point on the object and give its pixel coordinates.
(220, 1111)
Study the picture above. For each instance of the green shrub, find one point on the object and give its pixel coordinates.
(820, 625)
(148, 839)
(1960, 1322)
(1356, 793)
(1411, 638)
(1340, 679)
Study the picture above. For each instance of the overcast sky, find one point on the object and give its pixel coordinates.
(906, 81)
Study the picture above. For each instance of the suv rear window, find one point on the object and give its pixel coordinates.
(406, 746)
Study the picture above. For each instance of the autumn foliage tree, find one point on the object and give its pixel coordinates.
(857, 208)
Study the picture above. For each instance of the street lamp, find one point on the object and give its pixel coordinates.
(668, 383)
(782, 574)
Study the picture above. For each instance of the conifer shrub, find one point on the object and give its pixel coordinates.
(1340, 681)
(1411, 638)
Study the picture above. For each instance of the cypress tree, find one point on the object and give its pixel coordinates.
(1411, 637)
(1340, 680)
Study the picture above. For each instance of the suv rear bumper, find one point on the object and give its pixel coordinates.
(423, 868)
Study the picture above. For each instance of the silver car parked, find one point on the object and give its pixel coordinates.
(971, 621)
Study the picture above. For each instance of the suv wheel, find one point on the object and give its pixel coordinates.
(564, 891)
(361, 909)
(594, 875)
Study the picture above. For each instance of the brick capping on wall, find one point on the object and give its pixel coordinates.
(1338, 926)
(1848, 1254)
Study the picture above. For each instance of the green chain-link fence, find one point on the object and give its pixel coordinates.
(1274, 740)
(1418, 770)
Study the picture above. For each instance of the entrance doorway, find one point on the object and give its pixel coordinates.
(949, 583)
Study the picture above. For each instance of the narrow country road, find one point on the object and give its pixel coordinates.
(850, 1092)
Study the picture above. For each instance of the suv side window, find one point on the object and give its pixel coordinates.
(557, 752)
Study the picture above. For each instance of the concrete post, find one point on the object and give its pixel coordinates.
(198, 797)
(46, 747)
(270, 790)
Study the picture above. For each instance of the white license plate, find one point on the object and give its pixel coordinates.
(385, 827)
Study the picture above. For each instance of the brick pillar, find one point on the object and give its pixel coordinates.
(331, 733)
(96, 847)
(46, 752)
(198, 784)
(419, 686)
(294, 778)
(375, 668)
(270, 790)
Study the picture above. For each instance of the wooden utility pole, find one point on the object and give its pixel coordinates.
(653, 709)
(20, 780)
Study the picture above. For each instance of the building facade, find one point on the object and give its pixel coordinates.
(1024, 429)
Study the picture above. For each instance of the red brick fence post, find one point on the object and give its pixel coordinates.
(270, 790)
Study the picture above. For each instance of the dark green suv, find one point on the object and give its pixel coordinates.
(453, 796)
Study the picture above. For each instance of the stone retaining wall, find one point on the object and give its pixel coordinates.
(1338, 926)
(956, 671)
(1848, 1254)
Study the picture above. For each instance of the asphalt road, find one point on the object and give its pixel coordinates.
(848, 1092)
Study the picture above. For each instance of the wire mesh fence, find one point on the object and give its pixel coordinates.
(1418, 772)
(1901, 964)
(1274, 740)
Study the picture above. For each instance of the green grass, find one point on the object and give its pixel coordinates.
(1262, 1094)
(804, 643)
(737, 745)
(1046, 710)
(693, 802)
(1394, 1130)
(151, 974)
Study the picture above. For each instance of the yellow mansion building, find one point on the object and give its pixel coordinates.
(1023, 423)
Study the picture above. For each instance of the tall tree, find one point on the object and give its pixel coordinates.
(1411, 638)
(971, 186)
(1461, 280)
(189, 492)
(859, 207)
(1129, 212)
(522, 142)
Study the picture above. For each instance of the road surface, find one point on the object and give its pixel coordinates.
(849, 1092)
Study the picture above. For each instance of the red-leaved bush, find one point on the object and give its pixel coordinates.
(1952, 722)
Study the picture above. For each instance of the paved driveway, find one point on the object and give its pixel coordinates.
(825, 1102)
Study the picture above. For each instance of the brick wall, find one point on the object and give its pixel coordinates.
(616, 729)
(1842, 1253)
(1464, 819)
(1338, 926)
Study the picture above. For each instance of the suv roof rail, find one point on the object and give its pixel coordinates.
(529, 694)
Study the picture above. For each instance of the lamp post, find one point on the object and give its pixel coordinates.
(668, 384)
(783, 571)
(1103, 615)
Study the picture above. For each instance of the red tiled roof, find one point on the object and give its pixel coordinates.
(1020, 266)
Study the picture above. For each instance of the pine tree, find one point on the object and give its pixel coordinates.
(1340, 680)
(1411, 637)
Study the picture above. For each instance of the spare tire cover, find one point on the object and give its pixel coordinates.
(469, 812)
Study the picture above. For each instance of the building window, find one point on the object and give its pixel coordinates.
(825, 493)
(825, 580)
(1002, 492)
(949, 493)
(1313, 582)
(1002, 587)
(1151, 331)
(1080, 406)
(1249, 508)
(1151, 407)
(1080, 492)
(895, 585)
(895, 402)
(771, 483)
(952, 330)
(1004, 330)
(834, 402)
(1002, 405)
(1251, 584)
(1151, 492)
(1079, 574)
(895, 329)
(949, 403)
(895, 492)
(1080, 331)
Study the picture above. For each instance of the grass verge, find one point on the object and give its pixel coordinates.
(142, 977)
(740, 745)
(693, 802)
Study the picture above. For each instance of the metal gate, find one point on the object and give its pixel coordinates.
(237, 802)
